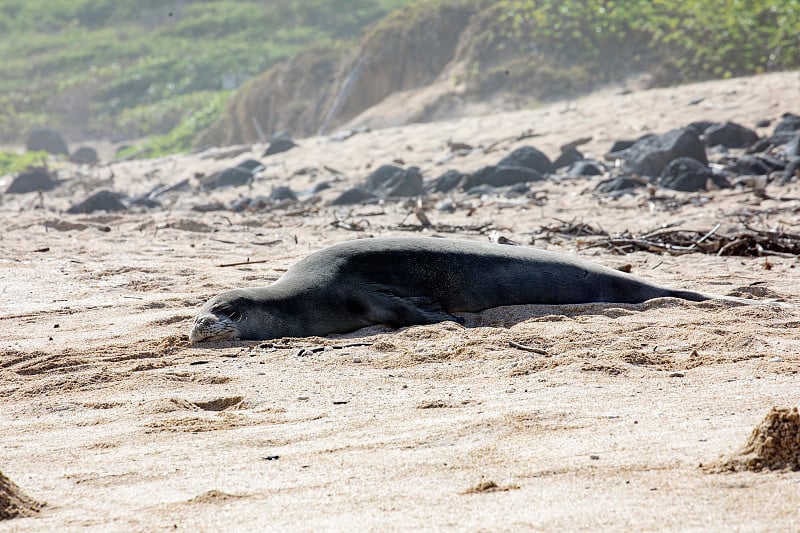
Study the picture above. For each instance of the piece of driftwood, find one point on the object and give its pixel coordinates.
(566, 229)
(351, 225)
(746, 241)
(526, 348)
(243, 263)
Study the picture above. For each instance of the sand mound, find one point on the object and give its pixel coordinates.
(489, 486)
(214, 496)
(13, 502)
(773, 445)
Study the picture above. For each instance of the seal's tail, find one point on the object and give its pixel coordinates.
(704, 296)
(693, 296)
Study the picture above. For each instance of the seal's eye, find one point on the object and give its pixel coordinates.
(230, 312)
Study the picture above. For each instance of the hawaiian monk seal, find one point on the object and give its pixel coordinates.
(402, 281)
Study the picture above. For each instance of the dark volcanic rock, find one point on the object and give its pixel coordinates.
(774, 163)
(751, 165)
(789, 123)
(447, 181)
(32, 180)
(619, 184)
(701, 126)
(279, 145)
(251, 204)
(767, 143)
(85, 155)
(208, 208)
(586, 167)
(46, 140)
(158, 190)
(251, 165)
(144, 201)
(621, 145)
(319, 187)
(282, 193)
(528, 157)
(686, 174)
(99, 201)
(792, 170)
(793, 147)
(230, 177)
(408, 184)
(510, 191)
(355, 195)
(392, 181)
(761, 145)
(651, 155)
(619, 149)
(500, 176)
(381, 175)
(730, 135)
(568, 156)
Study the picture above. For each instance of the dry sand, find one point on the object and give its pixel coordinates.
(115, 422)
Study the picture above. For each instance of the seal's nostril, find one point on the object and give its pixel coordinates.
(204, 320)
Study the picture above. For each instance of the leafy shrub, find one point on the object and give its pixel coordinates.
(138, 60)
(697, 39)
(11, 162)
(133, 54)
(180, 138)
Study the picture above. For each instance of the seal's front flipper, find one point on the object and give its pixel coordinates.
(398, 311)
(431, 307)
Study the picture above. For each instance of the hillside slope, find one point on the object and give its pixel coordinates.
(436, 59)
(126, 68)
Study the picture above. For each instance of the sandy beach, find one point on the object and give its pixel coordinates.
(578, 418)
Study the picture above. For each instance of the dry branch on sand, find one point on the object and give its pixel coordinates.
(745, 241)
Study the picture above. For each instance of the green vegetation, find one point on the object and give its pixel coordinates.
(181, 137)
(675, 41)
(164, 68)
(125, 68)
(11, 162)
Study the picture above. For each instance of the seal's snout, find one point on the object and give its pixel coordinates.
(205, 320)
(209, 327)
(199, 328)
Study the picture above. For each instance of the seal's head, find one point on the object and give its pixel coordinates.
(222, 318)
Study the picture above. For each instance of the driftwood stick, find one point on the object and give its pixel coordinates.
(730, 245)
(525, 348)
(241, 263)
(706, 236)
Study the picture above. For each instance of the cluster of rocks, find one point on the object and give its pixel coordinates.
(700, 156)
(524, 165)
(33, 179)
(41, 178)
(51, 141)
(681, 159)
(279, 143)
(387, 181)
(243, 173)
